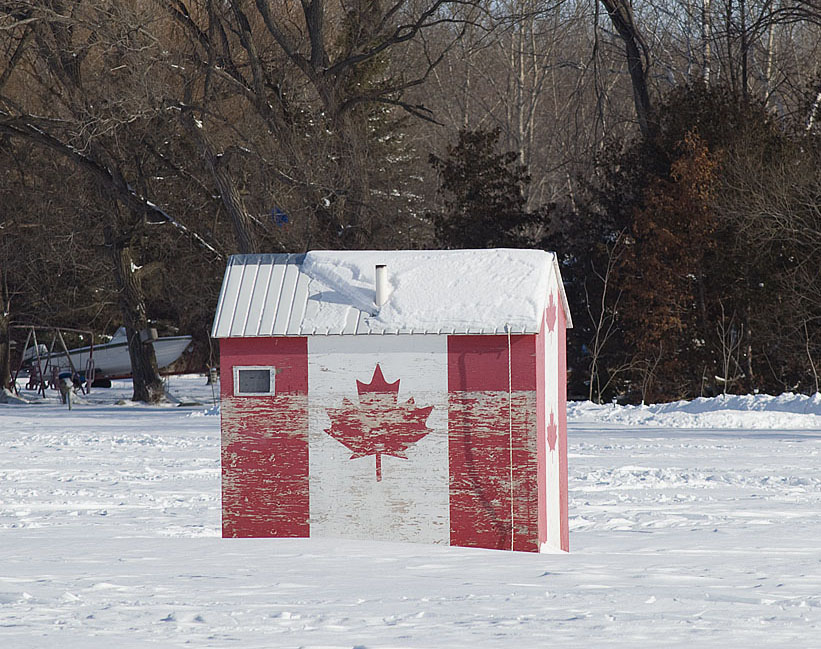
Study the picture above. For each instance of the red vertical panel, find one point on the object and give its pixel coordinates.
(562, 443)
(265, 491)
(479, 363)
(541, 417)
(479, 439)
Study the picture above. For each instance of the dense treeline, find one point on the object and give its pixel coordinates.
(669, 151)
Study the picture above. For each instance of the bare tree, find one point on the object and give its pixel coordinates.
(603, 316)
(65, 51)
(317, 76)
(638, 60)
(544, 75)
(730, 336)
(706, 37)
(770, 193)
(5, 340)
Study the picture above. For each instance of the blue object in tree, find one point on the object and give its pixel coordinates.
(279, 217)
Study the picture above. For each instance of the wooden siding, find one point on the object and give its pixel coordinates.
(289, 468)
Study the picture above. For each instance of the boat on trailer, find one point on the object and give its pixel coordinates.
(110, 360)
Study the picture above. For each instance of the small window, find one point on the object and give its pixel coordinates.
(254, 381)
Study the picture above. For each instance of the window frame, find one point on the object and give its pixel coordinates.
(271, 380)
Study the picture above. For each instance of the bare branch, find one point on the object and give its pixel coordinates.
(21, 128)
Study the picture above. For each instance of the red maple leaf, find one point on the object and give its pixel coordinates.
(379, 425)
(551, 433)
(550, 315)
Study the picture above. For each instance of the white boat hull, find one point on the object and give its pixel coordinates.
(111, 360)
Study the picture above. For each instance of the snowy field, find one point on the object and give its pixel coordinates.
(692, 525)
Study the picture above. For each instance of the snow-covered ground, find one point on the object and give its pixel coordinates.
(692, 525)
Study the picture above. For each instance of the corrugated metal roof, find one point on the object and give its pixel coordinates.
(330, 293)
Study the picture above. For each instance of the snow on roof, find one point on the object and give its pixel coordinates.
(430, 291)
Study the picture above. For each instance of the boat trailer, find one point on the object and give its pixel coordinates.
(44, 372)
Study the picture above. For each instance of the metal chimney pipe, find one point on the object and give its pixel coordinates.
(381, 284)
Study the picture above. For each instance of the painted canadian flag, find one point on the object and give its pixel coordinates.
(451, 439)
(378, 443)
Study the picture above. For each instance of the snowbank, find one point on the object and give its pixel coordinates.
(754, 411)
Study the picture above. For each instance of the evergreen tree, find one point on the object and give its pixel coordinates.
(484, 203)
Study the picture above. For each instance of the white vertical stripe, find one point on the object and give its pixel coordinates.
(554, 536)
(411, 502)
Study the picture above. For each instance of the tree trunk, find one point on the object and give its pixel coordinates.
(621, 15)
(148, 385)
(745, 83)
(351, 173)
(728, 34)
(231, 198)
(768, 75)
(5, 341)
(706, 36)
(813, 110)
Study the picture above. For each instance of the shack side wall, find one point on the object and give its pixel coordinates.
(561, 353)
(552, 424)
(542, 358)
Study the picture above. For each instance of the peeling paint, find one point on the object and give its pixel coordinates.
(481, 438)
(403, 438)
(264, 455)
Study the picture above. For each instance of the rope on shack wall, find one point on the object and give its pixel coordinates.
(510, 426)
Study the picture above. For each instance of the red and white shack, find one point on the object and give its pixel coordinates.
(406, 395)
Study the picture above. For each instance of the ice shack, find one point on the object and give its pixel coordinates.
(398, 395)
